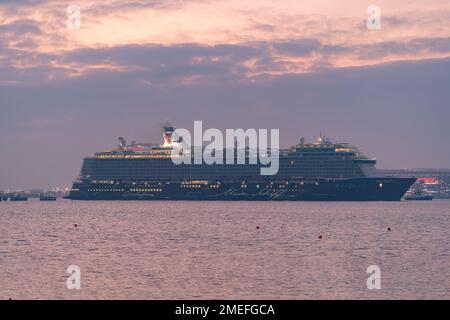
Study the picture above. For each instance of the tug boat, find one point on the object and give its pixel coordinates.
(19, 197)
(47, 197)
(418, 195)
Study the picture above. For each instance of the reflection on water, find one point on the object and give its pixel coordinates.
(215, 250)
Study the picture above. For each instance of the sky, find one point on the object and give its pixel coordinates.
(303, 67)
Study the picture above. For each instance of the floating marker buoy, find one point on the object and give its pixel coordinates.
(257, 227)
(389, 229)
(75, 225)
(320, 237)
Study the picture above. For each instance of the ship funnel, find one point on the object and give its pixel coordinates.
(168, 130)
(122, 143)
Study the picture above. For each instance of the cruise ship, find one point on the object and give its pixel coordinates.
(320, 171)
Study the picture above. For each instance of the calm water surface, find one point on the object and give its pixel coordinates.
(215, 250)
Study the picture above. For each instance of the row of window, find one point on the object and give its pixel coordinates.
(105, 190)
(214, 186)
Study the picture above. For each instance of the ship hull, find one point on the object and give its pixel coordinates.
(360, 189)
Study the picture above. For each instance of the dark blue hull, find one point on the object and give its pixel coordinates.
(17, 199)
(361, 189)
(419, 198)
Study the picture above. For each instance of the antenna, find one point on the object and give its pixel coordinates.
(319, 139)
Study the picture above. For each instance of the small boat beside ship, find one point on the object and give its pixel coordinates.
(423, 197)
(18, 197)
(22, 197)
(418, 194)
(47, 197)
